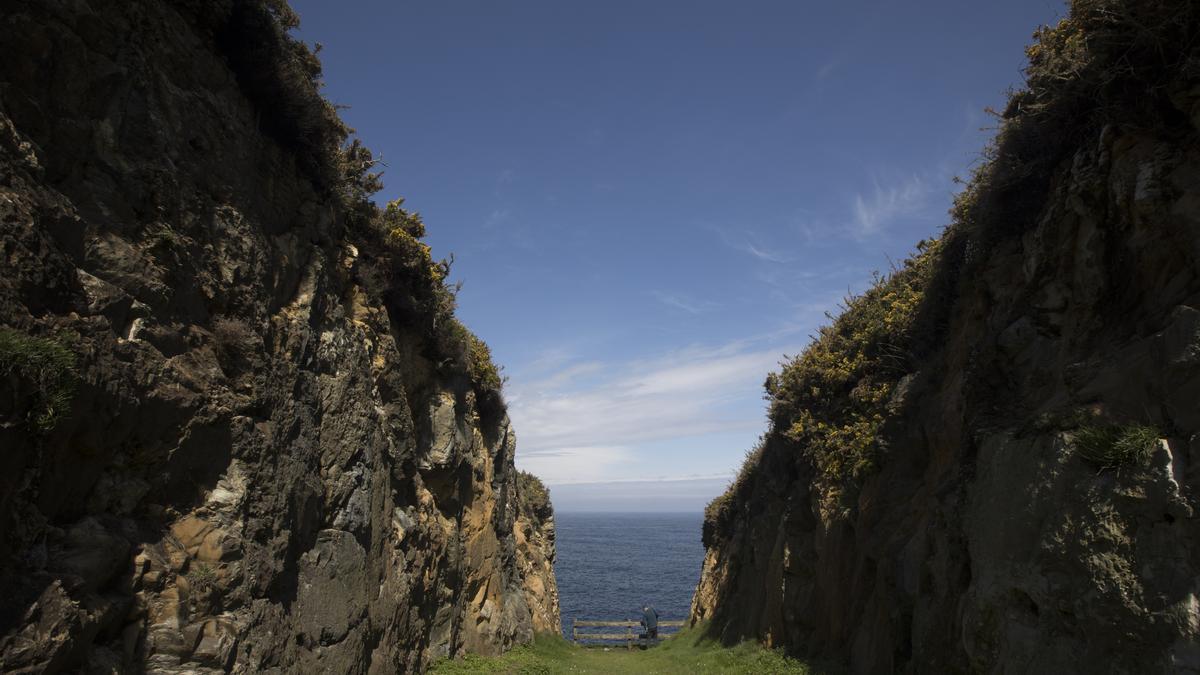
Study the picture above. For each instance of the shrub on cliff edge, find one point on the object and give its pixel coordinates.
(534, 496)
(831, 400)
(1109, 62)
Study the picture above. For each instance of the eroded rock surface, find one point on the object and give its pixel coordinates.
(260, 468)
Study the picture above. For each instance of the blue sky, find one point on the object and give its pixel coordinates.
(651, 202)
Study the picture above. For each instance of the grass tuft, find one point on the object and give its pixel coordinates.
(1115, 446)
(202, 576)
(48, 364)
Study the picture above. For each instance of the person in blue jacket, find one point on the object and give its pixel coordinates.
(650, 622)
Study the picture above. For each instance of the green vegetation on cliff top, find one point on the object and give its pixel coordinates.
(687, 653)
(535, 496)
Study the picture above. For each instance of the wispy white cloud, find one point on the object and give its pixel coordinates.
(567, 374)
(496, 217)
(680, 478)
(749, 243)
(874, 210)
(550, 359)
(810, 226)
(826, 69)
(673, 478)
(764, 254)
(684, 302)
(689, 393)
(504, 178)
(574, 465)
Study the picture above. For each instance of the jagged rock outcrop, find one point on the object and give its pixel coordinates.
(978, 531)
(223, 446)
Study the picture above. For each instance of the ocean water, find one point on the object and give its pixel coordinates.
(610, 564)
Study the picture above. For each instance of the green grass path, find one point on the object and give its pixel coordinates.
(687, 652)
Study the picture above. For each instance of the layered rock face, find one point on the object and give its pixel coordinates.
(985, 540)
(256, 465)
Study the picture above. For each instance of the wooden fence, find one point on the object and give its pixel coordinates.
(602, 632)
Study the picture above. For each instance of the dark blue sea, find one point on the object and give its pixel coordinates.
(610, 564)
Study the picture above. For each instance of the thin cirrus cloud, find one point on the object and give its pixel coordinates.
(827, 69)
(684, 302)
(587, 427)
(679, 478)
(496, 217)
(747, 242)
(762, 253)
(568, 466)
(873, 211)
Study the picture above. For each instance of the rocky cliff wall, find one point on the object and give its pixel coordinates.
(225, 443)
(990, 522)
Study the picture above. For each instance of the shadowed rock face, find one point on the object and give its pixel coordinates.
(985, 543)
(259, 468)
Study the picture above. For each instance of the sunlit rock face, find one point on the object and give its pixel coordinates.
(985, 541)
(258, 468)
